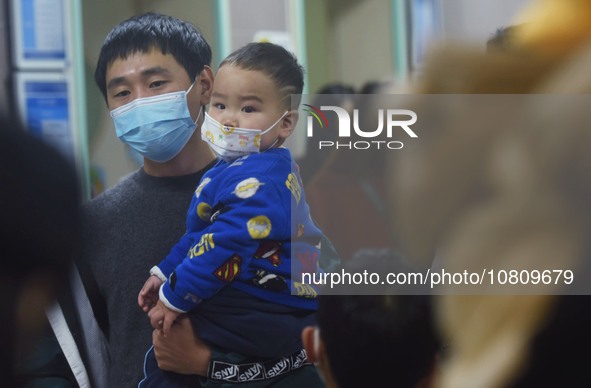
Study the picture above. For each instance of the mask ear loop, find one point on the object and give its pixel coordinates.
(201, 107)
(271, 127)
(191, 87)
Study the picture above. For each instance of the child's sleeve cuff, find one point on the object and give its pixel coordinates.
(156, 271)
(173, 302)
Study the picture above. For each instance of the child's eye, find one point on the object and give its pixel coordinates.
(248, 109)
(219, 105)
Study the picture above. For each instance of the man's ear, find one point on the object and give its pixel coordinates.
(288, 123)
(205, 79)
(312, 344)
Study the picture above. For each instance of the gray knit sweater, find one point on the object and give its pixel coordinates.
(127, 230)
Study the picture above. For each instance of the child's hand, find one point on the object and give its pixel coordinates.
(148, 295)
(161, 317)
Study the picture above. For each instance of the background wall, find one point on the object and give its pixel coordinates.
(360, 40)
(476, 20)
(346, 40)
(4, 64)
(246, 18)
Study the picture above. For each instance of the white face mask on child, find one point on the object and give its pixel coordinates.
(230, 143)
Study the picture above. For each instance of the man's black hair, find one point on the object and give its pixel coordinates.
(273, 60)
(142, 33)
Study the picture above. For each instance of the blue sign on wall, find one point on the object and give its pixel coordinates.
(48, 113)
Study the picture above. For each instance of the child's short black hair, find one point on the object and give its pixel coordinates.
(274, 61)
(144, 32)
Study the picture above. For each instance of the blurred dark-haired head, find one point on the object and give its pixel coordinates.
(39, 234)
(374, 339)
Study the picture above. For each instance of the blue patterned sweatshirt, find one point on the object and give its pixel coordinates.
(248, 227)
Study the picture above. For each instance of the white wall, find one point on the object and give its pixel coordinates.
(249, 17)
(359, 40)
(348, 41)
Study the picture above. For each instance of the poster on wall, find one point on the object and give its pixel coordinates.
(45, 108)
(40, 31)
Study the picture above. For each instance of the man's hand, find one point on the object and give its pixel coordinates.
(148, 296)
(181, 351)
(161, 317)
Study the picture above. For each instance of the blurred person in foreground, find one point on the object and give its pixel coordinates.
(39, 226)
(384, 338)
(512, 189)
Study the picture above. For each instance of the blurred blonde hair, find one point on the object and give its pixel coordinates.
(554, 27)
(536, 212)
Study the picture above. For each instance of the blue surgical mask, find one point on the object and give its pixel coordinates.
(157, 127)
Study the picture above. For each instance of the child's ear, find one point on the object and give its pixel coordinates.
(288, 123)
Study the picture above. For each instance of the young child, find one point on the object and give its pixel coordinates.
(247, 224)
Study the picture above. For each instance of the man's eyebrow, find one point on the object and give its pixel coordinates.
(116, 82)
(156, 70)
